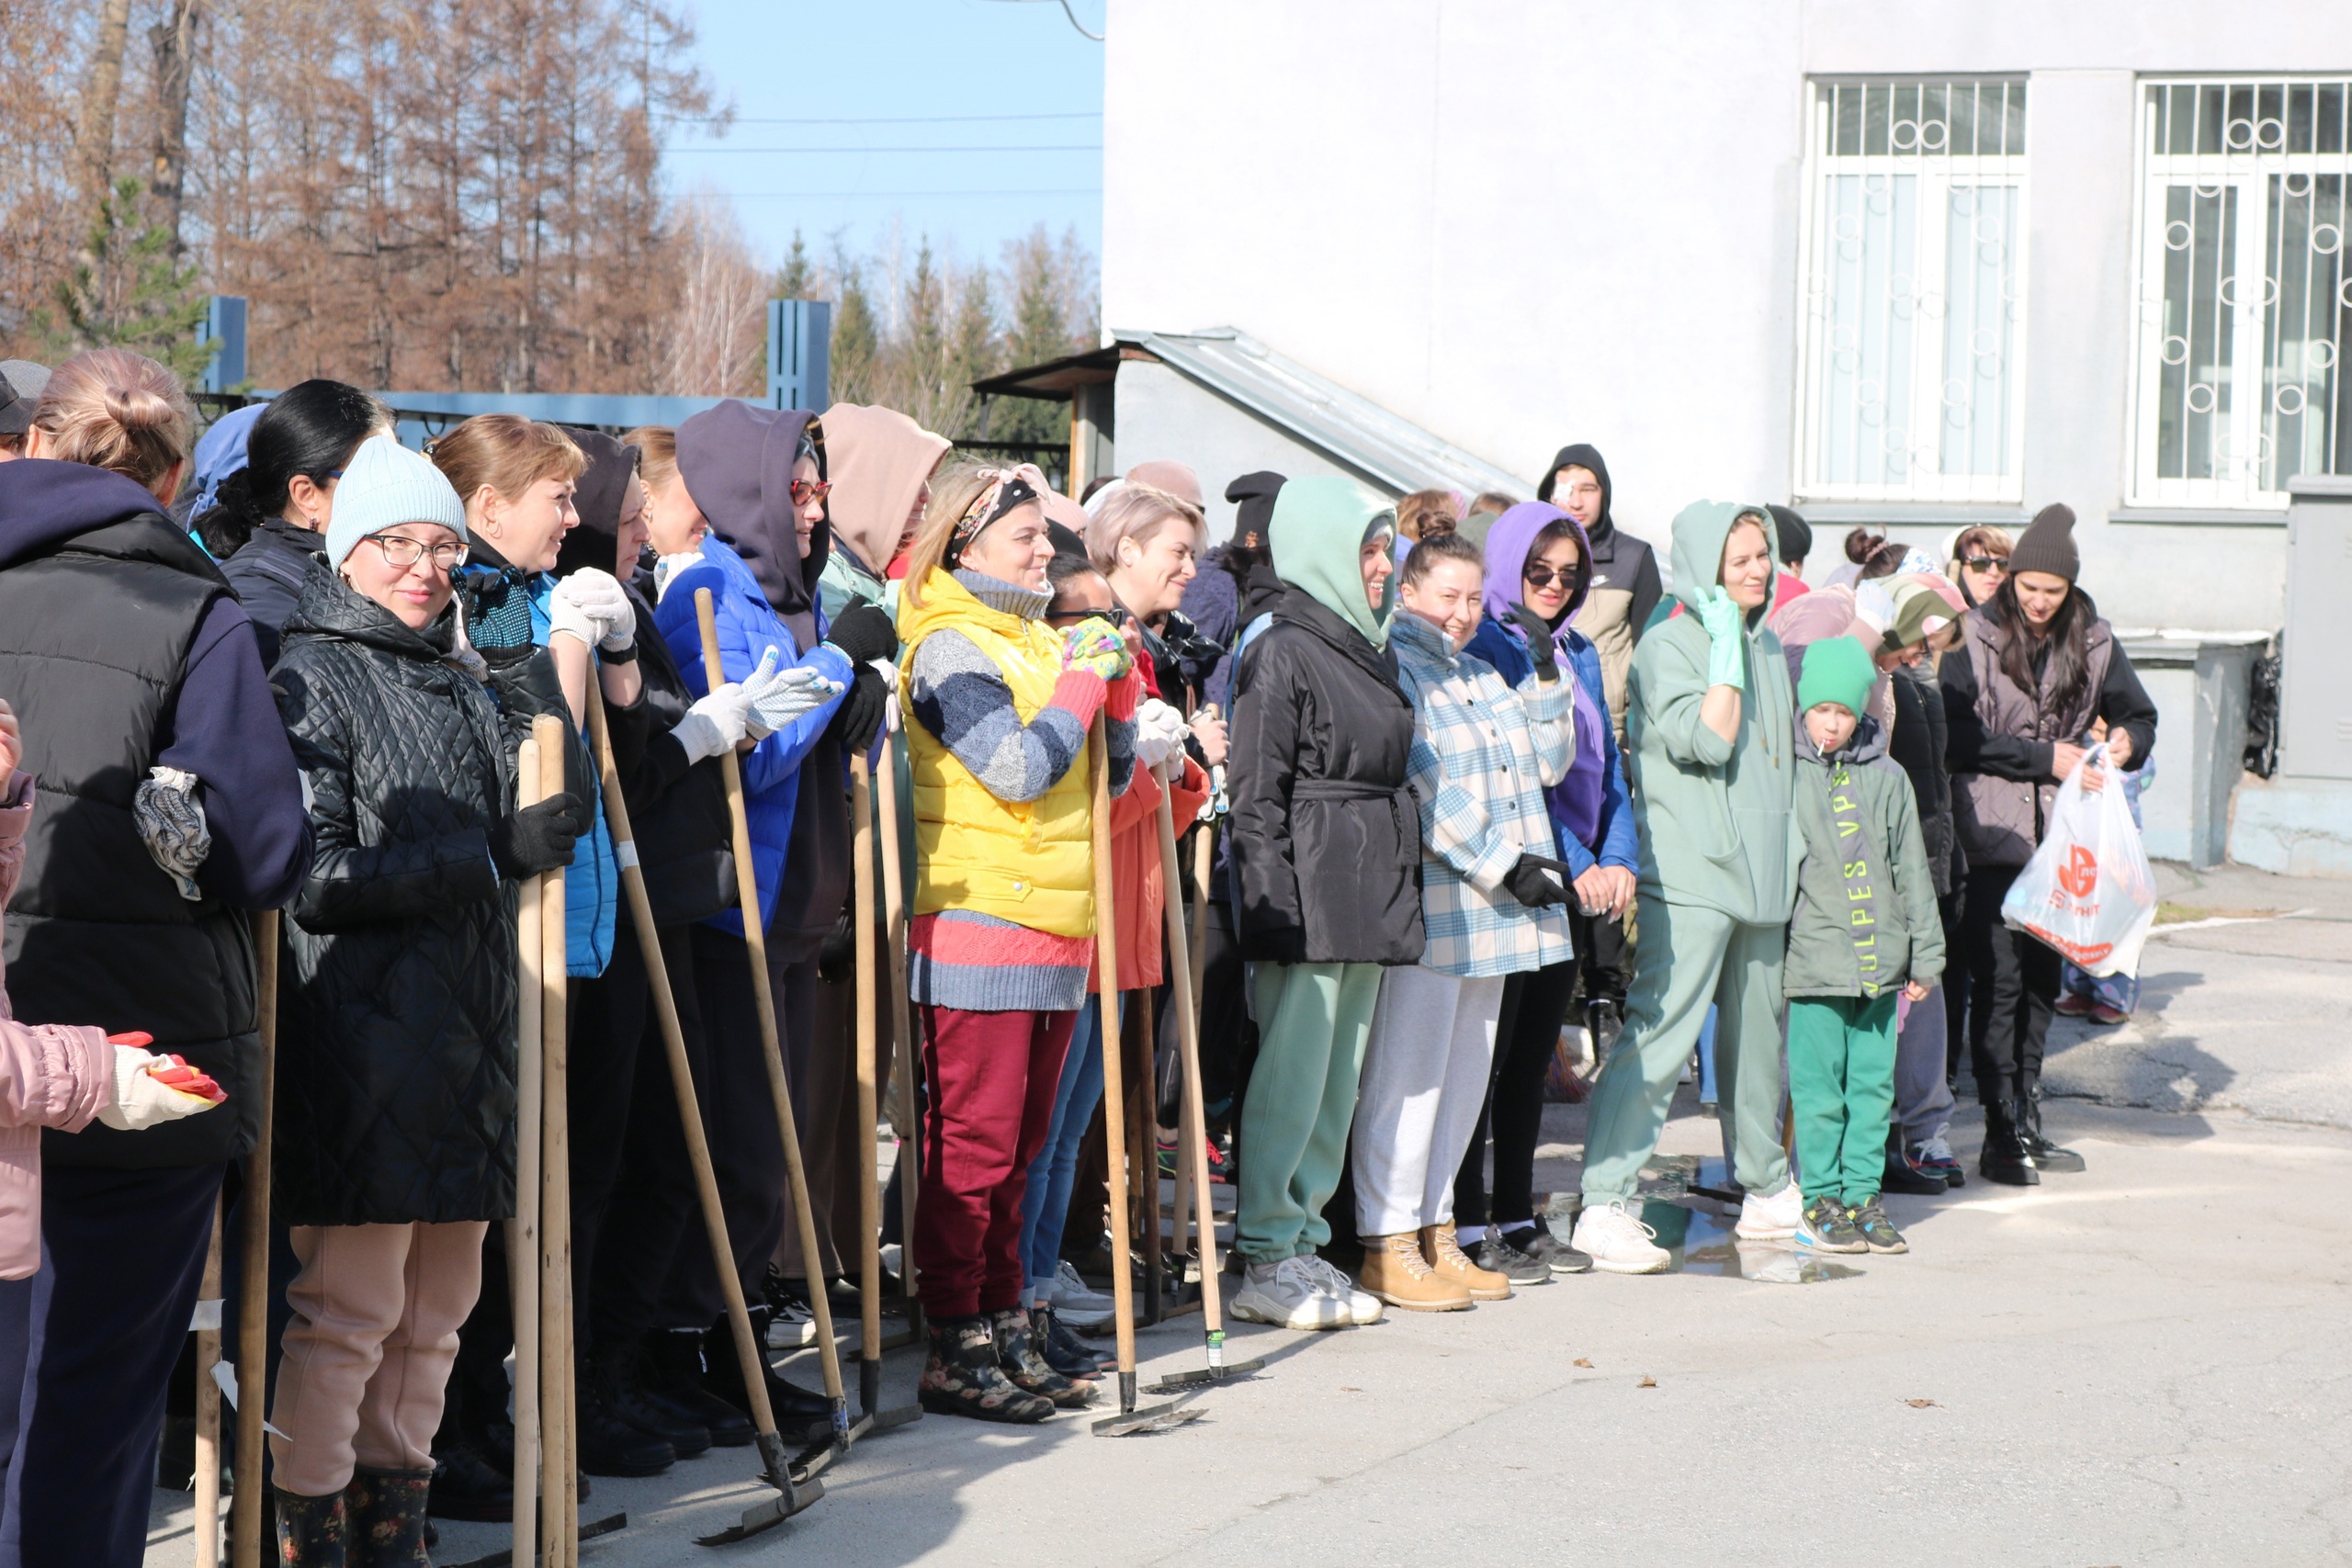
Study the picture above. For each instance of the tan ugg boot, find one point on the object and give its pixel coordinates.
(1451, 1264)
(1395, 1272)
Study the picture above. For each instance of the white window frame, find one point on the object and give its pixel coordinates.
(2246, 170)
(1936, 177)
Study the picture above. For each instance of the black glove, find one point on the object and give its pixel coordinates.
(1539, 645)
(1532, 885)
(536, 839)
(864, 631)
(859, 717)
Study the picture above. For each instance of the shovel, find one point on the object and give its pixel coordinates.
(755, 944)
(1130, 1421)
(1195, 1136)
(775, 1467)
(902, 1034)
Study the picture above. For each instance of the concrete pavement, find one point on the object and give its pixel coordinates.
(2142, 1364)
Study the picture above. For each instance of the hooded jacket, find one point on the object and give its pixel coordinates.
(1907, 933)
(736, 461)
(879, 460)
(1625, 589)
(1589, 808)
(1714, 813)
(267, 573)
(684, 836)
(121, 649)
(396, 1065)
(1325, 835)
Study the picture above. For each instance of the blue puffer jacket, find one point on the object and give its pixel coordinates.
(592, 884)
(748, 627)
(1616, 842)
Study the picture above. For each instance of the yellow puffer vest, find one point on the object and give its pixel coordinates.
(1028, 861)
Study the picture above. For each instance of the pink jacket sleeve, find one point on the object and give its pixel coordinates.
(51, 1075)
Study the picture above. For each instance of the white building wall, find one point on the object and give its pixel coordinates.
(1524, 224)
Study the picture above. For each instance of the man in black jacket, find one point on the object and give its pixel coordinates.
(123, 651)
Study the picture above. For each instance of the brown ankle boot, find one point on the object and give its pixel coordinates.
(1395, 1272)
(1451, 1264)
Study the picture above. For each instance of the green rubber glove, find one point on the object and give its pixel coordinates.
(1725, 643)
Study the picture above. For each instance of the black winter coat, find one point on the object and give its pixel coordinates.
(1918, 746)
(268, 573)
(1327, 839)
(396, 1058)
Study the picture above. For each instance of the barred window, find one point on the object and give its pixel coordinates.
(1914, 292)
(2245, 308)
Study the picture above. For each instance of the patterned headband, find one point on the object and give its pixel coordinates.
(1006, 488)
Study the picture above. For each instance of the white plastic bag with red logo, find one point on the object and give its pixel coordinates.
(2088, 892)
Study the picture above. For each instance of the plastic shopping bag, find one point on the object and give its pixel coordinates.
(2088, 892)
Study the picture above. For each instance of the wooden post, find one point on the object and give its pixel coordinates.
(1115, 1098)
(253, 1286)
(559, 1486)
(522, 1231)
(908, 1113)
(207, 1405)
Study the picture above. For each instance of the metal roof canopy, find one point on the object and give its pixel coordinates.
(1056, 379)
(1351, 431)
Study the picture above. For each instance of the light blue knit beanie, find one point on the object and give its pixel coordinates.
(383, 486)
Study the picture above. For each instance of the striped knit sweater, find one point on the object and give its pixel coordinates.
(960, 958)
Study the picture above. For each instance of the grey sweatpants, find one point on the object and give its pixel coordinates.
(1922, 1099)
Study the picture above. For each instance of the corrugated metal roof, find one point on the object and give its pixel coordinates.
(1350, 430)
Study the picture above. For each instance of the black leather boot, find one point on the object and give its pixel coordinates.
(468, 1482)
(670, 1368)
(384, 1510)
(2004, 1158)
(617, 1370)
(801, 1415)
(610, 1446)
(2045, 1155)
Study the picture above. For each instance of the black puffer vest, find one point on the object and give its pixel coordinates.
(396, 1049)
(95, 637)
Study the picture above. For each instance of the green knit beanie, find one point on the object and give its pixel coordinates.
(1836, 670)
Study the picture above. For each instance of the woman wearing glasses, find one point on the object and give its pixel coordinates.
(1978, 559)
(396, 1073)
(1000, 703)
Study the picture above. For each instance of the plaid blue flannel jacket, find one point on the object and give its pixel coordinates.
(1483, 754)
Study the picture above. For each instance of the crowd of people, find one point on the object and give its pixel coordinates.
(1495, 811)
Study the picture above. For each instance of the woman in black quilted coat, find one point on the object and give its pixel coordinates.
(396, 1126)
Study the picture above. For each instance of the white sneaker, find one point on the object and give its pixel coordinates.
(1617, 1241)
(1938, 1148)
(1288, 1295)
(1363, 1308)
(1076, 1305)
(791, 1327)
(1770, 1219)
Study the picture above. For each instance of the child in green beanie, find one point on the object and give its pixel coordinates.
(1865, 929)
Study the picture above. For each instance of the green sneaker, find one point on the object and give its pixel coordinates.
(1824, 1227)
(1878, 1232)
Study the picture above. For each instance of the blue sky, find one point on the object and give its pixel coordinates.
(843, 120)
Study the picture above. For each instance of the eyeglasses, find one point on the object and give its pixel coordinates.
(806, 490)
(1543, 576)
(1985, 563)
(399, 550)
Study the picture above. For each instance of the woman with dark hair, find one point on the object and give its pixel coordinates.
(1540, 569)
(284, 496)
(2036, 666)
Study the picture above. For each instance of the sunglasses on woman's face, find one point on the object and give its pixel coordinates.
(806, 490)
(1986, 563)
(1540, 576)
(1116, 614)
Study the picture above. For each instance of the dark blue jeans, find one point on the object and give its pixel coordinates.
(127, 1247)
(24, 1312)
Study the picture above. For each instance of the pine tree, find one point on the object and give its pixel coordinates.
(856, 351)
(796, 278)
(126, 292)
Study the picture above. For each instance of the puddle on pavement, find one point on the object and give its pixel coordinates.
(1703, 1244)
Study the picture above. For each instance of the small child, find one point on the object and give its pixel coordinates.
(1865, 929)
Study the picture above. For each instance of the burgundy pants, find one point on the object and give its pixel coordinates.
(992, 1080)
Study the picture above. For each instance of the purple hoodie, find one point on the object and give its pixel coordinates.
(1576, 799)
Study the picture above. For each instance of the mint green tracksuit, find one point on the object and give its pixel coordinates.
(1717, 879)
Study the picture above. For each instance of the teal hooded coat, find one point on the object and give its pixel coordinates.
(1714, 813)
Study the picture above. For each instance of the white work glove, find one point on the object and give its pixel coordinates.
(715, 723)
(1159, 734)
(666, 569)
(592, 606)
(779, 697)
(146, 1089)
(170, 821)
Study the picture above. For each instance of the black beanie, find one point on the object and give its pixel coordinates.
(1795, 534)
(2048, 545)
(1252, 496)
